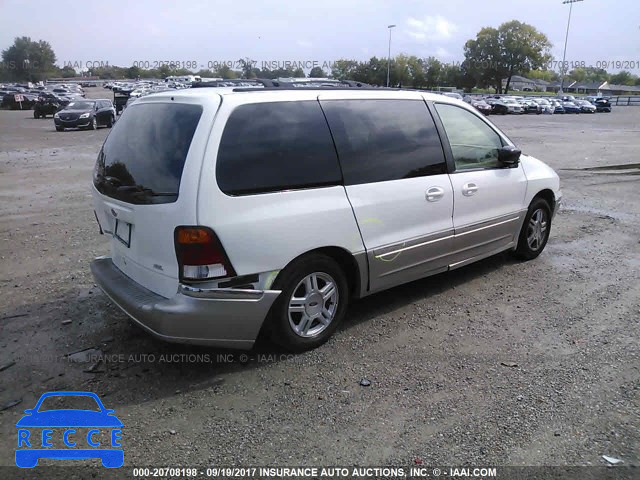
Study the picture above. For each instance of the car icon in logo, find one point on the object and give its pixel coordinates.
(35, 432)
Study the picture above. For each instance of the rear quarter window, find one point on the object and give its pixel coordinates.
(275, 146)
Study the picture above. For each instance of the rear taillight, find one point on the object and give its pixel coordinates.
(201, 255)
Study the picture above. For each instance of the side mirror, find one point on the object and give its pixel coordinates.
(509, 156)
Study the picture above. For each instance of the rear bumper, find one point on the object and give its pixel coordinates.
(224, 317)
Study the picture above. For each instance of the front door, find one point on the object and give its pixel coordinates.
(488, 197)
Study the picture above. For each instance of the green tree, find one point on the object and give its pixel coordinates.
(416, 71)
(68, 72)
(317, 72)
(623, 78)
(451, 76)
(246, 68)
(28, 60)
(344, 69)
(546, 75)
(224, 71)
(433, 69)
(498, 54)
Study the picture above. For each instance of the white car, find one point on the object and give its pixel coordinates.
(513, 105)
(236, 210)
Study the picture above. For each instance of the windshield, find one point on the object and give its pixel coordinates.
(81, 105)
(143, 157)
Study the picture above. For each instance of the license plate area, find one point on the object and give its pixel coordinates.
(122, 232)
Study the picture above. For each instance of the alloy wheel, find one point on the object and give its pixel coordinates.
(537, 229)
(313, 304)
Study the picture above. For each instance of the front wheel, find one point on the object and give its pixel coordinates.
(94, 124)
(535, 230)
(313, 301)
(59, 129)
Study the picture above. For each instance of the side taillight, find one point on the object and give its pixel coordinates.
(200, 254)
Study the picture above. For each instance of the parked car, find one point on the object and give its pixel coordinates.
(586, 107)
(47, 104)
(497, 107)
(571, 107)
(602, 104)
(89, 114)
(529, 106)
(19, 100)
(452, 95)
(481, 106)
(557, 106)
(545, 105)
(512, 105)
(218, 209)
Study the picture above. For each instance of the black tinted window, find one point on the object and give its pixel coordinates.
(142, 159)
(380, 140)
(267, 147)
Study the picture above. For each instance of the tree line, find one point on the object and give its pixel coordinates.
(491, 59)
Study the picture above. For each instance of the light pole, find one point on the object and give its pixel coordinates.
(389, 55)
(564, 55)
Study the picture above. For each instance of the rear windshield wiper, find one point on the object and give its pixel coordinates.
(140, 190)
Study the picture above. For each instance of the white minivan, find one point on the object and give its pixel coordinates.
(233, 211)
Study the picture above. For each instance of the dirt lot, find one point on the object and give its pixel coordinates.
(498, 363)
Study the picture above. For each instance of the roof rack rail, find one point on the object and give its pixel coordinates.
(287, 83)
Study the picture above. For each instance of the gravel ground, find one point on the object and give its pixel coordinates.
(497, 363)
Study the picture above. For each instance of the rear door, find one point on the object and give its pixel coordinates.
(145, 184)
(395, 178)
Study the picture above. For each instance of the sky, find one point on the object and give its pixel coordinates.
(604, 33)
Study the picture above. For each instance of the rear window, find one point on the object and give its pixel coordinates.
(269, 147)
(143, 157)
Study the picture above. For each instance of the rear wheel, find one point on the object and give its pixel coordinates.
(313, 301)
(535, 230)
(111, 121)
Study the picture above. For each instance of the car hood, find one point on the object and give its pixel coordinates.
(69, 418)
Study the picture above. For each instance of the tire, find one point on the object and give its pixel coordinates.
(535, 230)
(318, 317)
(59, 129)
(111, 121)
(94, 124)
(36, 115)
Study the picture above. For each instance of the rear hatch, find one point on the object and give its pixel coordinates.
(145, 183)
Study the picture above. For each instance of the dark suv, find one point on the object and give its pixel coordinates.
(89, 114)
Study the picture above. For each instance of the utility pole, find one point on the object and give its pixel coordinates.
(389, 55)
(564, 56)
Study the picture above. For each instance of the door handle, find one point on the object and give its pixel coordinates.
(469, 189)
(434, 194)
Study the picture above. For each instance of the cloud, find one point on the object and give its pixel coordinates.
(443, 53)
(430, 28)
(304, 43)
